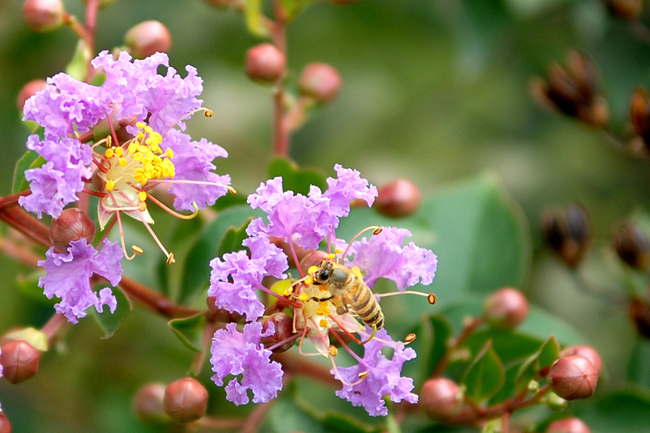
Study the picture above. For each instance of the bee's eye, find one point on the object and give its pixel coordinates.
(324, 274)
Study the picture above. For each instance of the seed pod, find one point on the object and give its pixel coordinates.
(19, 360)
(627, 10)
(185, 400)
(506, 308)
(639, 311)
(71, 225)
(266, 63)
(43, 15)
(320, 81)
(632, 246)
(147, 38)
(573, 377)
(441, 398)
(573, 89)
(567, 232)
(568, 425)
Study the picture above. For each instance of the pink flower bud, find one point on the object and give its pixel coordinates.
(441, 398)
(29, 90)
(283, 324)
(185, 400)
(19, 360)
(71, 225)
(5, 427)
(148, 402)
(568, 425)
(573, 377)
(398, 198)
(265, 62)
(43, 15)
(320, 81)
(148, 38)
(586, 352)
(506, 308)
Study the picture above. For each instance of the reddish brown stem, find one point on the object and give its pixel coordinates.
(52, 326)
(467, 331)
(297, 365)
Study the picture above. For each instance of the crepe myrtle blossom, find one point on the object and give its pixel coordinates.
(307, 222)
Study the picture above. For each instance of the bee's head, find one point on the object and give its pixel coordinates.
(323, 272)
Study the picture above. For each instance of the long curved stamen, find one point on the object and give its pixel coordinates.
(345, 345)
(123, 242)
(362, 375)
(375, 231)
(208, 113)
(374, 331)
(430, 296)
(171, 211)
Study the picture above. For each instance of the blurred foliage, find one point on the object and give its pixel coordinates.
(436, 91)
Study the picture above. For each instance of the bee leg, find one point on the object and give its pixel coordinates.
(341, 310)
(320, 299)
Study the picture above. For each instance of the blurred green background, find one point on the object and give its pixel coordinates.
(433, 90)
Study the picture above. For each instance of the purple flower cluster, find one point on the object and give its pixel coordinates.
(306, 221)
(0, 376)
(133, 98)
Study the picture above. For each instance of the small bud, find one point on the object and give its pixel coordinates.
(573, 377)
(639, 311)
(555, 402)
(506, 308)
(71, 225)
(19, 361)
(632, 246)
(185, 400)
(627, 10)
(148, 403)
(573, 90)
(398, 198)
(568, 425)
(43, 15)
(283, 324)
(147, 38)
(320, 81)
(567, 232)
(441, 398)
(5, 427)
(265, 63)
(29, 90)
(312, 259)
(216, 314)
(587, 352)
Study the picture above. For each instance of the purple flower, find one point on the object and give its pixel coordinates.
(384, 376)
(68, 277)
(307, 220)
(384, 256)
(235, 279)
(132, 91)
(241, 353)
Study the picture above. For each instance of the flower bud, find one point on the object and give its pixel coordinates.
(567, 232)
(320, 81)
(639, 311)
(283, 324)
(148, 38)
(265, 63)
(398, 198)
(312, 259)
(573, 90)
(627, 10)
(29, 90)
(5, 427)
(441, 398)
(573, 377)
(185, 400)
(568, 425)
(43, 15)
(587, 352)
(148, 403)
(19, 361)
(216, 314)
(632, 246)
(506, 308)
(71, 225)
(555, 402)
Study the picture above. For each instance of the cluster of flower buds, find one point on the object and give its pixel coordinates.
(627, 10)
(573, 90)
(567, 232)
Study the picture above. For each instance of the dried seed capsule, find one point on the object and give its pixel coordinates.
(639, 311)
(632, 246)
(627, 10)
(567, 232)
(185, 400)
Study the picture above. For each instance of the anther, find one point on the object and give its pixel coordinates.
(410, 338)
(171, 259)
(431, 298)
(209, 113)
(231, 189)
(377, 231)
(364, 374)
(136, 249)
(333, 351)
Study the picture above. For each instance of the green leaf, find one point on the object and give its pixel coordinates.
(485, 375)
(254, 18)
(430, 345)
(286, 416)
(293, 7)
(217, 237)
(334, 422)
(189, 330)
(637, 369)
(542, 358)
(619, 412)
(78, 66)
(482, 240)
(30, 159)
(111, 322)
(295, 179)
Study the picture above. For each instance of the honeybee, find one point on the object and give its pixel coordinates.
(347, 288)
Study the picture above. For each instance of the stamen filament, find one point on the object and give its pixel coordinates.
(430, 296)
(375, 231)
(171, 211)
(209, 113)
(283, 342)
